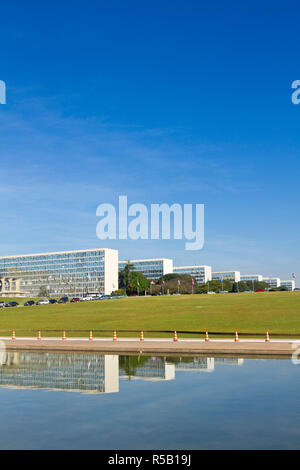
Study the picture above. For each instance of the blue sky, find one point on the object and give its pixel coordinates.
(182, 101)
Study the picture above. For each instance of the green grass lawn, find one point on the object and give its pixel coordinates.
(278, 312)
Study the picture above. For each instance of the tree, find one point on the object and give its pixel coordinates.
(43, 292)
(132, 281)
(119, 292)
(214, 286)
(242, 286)
(138, 283)
(176, 282)
(124, 276)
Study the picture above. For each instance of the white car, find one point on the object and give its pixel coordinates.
(87, 297)
(42, 302)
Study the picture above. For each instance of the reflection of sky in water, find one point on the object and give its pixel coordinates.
(254, 405)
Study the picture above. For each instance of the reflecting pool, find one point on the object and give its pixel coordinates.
(93, 401)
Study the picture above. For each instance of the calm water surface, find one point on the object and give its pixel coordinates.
(94, 401)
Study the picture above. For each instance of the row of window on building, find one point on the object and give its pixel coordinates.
(155, 268)
(79, 272)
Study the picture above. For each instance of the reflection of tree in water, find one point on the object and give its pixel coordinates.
(130, 364)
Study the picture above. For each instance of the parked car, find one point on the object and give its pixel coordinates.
(42, 302)
(12, 304)
(63, 300)
(86, 297)
(29, 303)
(52, 301)
(211, 292)
(75, 299)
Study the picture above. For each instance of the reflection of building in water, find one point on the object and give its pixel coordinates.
(232, 361)
(60, 371)
(203, 364)
(155, 368)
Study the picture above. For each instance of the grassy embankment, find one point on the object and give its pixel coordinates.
(278, 312)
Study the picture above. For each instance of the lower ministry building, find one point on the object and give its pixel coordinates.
(290, 284)
(152, 269)
(272, 281)
(251, 277)
(233, 276)
(202, 274)
(71, 273)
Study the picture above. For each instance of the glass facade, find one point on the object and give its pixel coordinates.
(71, 273)
(251, 277)
(289, 284)
(233, 276)
(152, 268)
(272, 281)
(201, 274)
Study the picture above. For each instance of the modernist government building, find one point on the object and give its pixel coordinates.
(79, 272)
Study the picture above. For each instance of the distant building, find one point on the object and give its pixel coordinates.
(151, 268)
(233, 276)
(251, 277)
(289, 284)
(201, 274)
(272, 281)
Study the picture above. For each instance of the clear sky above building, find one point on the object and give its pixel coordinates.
(181, 101)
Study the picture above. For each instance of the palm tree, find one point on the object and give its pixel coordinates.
(125, 274)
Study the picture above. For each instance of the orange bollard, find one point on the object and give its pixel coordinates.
(142, 336)
(64, 336)
(236, 339)
(175, 336)
(13, 336)
(39, 336)
(206, 337)
(91, 336)
(115, 336)
(267, 337)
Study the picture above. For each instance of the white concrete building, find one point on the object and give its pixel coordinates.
(251, 277)
(272, 281)
(201, 274)
(71, 273)
(233, 276)
(290, 284)
(151, 268)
